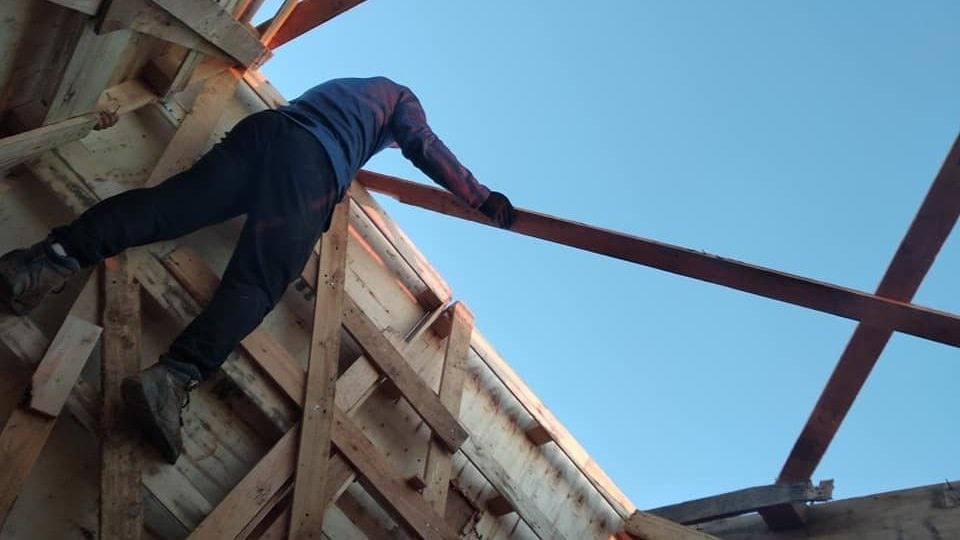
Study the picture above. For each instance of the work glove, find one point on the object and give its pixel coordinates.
(497, 207)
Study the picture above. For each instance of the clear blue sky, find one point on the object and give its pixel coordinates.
(796, 135)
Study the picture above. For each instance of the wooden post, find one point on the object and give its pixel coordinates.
(437, 469)
(121, 512)
(306, 517)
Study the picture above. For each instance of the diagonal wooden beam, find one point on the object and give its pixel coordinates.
(26, 432)
(121, 500)
(852, 304)
(306, 16)
(386, 356)
(306, 517)
(932, 225)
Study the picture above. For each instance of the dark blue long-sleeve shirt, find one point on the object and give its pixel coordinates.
(356, 118)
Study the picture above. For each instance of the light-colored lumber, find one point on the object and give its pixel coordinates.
(60, 368)
(121, 500)
(385, 355)
(744, 501)
(189, 142)
(307, 15)
(649, 527)
(929, 512)
(306, 516)
(22, 146)
(26, 432)
(85, 77)
(217, 25)
(857, 305)
(437, 468)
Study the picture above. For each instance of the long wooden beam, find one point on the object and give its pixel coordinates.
(743, 501)
(932, 225)
(123, 98)
(217, 25)
(852, 304)
(306, 16)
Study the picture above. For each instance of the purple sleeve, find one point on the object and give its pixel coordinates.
(422, 147)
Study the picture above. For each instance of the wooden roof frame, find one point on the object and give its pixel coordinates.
(212, 31)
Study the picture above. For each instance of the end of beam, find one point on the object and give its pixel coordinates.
(538, 435)
(499, 506)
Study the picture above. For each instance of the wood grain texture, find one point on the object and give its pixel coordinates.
(121, 500)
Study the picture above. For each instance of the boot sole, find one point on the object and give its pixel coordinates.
(136, 400)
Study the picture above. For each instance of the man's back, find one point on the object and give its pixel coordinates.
(356, 118)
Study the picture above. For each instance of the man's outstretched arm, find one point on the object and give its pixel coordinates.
(421, 146)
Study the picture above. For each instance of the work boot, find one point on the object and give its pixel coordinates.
(28, 275)
(157, 397)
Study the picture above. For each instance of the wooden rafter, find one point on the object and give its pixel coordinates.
(307, 15)
(868, 308)
(932, 225)
(306, 516)
(217, 26)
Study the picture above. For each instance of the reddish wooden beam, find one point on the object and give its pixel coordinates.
(930, 228)
(306, 16)
(852, 304)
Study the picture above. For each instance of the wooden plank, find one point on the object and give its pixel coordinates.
(437, 469)
(649, 527)
(383, 353)
(92, 63)
(61, 365)
(930, 228)
(929, 512)
(148, 18)
(852, 304)
(22, 146)
(189, 142)
(123, 98)
(25, 433)
(307, 15)
(121, 500)
(217, 26)
(306, 517)
(491, 469)
(743, 501)
(87, 7)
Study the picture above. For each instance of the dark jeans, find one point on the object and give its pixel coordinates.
(267, 167)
